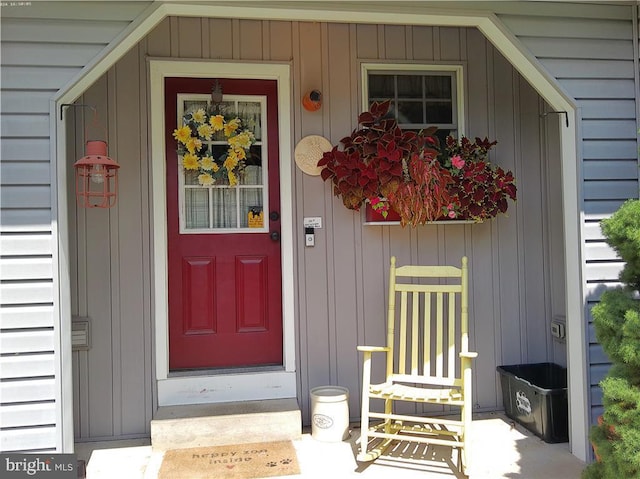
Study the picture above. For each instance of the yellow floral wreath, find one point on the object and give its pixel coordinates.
(200, 126)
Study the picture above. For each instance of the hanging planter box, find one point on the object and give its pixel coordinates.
(420, 176)
(375, 218)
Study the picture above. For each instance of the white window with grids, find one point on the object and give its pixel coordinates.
(221, 207)
(421, 95)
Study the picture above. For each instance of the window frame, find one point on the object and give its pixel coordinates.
(455, 70)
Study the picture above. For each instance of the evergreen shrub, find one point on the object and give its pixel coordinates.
(617, 324)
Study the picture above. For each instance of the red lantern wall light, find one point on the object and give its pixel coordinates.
(96, 177)
(96, 174)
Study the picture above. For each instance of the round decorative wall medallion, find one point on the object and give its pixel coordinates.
(308, 152)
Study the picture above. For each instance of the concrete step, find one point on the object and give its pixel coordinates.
(200, 425)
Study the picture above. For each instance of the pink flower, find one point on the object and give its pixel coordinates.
(457, 162)
(452, 214)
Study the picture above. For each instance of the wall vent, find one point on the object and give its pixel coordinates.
(80, 334)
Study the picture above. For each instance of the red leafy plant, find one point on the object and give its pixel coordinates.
(424, 195)
(408, 171)
(479, 189)
(370, 164)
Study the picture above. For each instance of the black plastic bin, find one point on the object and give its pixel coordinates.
(535, 395)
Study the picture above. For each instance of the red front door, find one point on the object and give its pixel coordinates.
(225, 307)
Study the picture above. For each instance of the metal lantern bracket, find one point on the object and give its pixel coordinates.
(562, 112)
(76, 105)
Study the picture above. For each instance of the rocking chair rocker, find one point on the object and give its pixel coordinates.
(427, 361)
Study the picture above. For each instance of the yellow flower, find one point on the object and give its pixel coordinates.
(215, 167)
(193, 144)
(190, 162)
(231, 162)
(205, 179)
(182, 134)
(240, 153)
(217, 122)
(231, 126)
(205, 130)
(232, 178)
(231, 153)
(207, 163)
(198, 116)
(232, 156)
(242, 140)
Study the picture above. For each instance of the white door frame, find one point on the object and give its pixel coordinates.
(208, 387)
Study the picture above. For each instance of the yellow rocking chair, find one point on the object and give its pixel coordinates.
(427, 361)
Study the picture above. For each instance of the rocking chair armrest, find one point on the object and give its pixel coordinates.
(469, 355)
(373, 349)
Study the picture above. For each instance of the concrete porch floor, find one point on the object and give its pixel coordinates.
(501, 449)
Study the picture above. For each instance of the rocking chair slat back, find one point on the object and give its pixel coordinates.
(429, 316)
(426, 334)
(452, 330)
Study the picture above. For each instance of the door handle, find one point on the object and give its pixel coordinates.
(275, 236)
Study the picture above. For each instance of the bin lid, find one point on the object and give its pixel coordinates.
(330, 393)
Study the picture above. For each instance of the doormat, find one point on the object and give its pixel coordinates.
(240, 461)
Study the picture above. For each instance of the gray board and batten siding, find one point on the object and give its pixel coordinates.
(340, 282)
(47, 45)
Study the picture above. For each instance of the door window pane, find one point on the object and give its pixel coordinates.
(250, 112)
(224, 207)
(191, 178)
(194, 105)
(196, 208)
(225, 108)
(251, 208)
(252, 175)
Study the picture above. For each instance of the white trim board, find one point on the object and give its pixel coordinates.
(497, 33)
(233, 387)
(226, 388)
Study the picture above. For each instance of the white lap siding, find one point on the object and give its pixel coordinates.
(43, 46)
